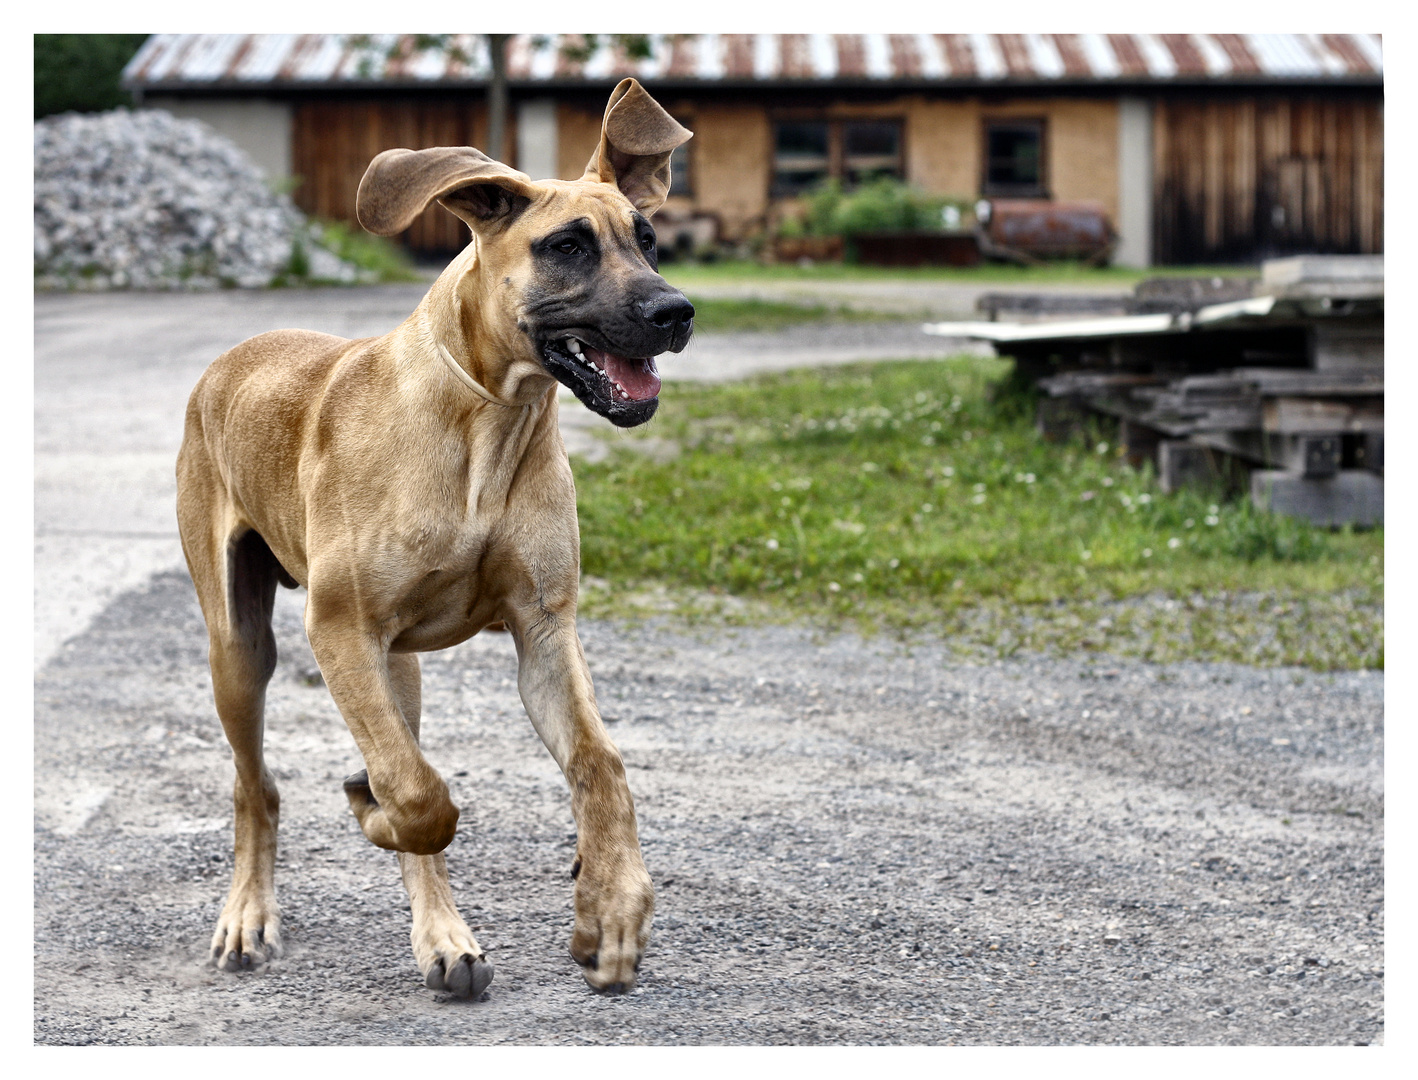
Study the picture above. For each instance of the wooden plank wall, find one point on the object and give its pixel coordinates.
(334, 141)
(1237, 179)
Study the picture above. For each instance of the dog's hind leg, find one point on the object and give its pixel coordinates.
(242, 658)
(444, 947)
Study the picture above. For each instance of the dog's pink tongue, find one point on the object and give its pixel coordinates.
(639, 377)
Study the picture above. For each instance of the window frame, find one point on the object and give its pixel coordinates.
(992, 189)
(682, 153)
(837, 162)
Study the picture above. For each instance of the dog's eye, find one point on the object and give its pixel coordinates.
(567, 247)
(647, 242)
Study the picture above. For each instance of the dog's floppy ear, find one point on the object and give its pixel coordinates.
(637, 137)
(399, 184)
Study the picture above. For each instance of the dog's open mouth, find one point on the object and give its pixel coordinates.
(623, 389)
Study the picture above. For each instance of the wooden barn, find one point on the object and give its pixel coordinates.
(1202, 148)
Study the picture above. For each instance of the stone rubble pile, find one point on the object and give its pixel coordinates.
(143, 200)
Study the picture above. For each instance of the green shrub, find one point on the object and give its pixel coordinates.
(880, 205)
(375, 255)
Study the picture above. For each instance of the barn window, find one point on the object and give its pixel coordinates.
(807, 152)
(681, 176)
(802, 155)
(1014, 159)
(870, 148)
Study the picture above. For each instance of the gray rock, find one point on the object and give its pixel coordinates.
(143, 200)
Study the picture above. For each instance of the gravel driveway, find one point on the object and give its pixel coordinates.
(852, 842)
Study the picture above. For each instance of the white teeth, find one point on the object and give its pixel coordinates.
(573, 346)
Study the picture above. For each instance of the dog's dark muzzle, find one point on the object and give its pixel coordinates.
(672, 314)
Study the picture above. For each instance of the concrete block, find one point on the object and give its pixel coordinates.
(1350, 497)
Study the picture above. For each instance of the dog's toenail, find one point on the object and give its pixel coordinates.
(460, 978)
(434, 979)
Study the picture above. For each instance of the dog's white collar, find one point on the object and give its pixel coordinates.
(472, 383)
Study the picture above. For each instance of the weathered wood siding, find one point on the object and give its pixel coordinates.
(1240, 178)
(333, 142)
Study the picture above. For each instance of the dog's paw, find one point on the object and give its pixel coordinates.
(248, 934)
(451, 960)
(467, 977)
(612, 924)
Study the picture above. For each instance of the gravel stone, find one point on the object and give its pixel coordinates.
(143, 200)
(833, 865)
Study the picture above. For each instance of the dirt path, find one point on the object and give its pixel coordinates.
(851, 843)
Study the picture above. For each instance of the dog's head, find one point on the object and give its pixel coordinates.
(565, 275)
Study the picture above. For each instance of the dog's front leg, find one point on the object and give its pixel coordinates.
(613, 897)
(444, 947)
(402, 804)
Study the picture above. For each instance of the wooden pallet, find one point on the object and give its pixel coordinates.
(1274, 387)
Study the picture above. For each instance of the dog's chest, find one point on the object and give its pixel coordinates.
(446, 600)
(452, 589)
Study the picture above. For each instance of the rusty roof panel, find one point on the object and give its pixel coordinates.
(852, 55)
(1071, 54)
(192, 61)
(1129, 55)
(1341, 46)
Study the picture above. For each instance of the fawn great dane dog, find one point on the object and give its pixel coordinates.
(417, 486)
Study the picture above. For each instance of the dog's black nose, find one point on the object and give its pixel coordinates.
(669, 311)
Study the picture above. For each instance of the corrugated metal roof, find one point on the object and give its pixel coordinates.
(192, 61)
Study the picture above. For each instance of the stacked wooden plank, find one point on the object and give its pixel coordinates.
(1282, 391)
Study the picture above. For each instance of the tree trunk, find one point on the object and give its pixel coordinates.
(497, 97)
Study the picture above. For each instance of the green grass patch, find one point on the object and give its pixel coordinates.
(718, 315)
(905, 497)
